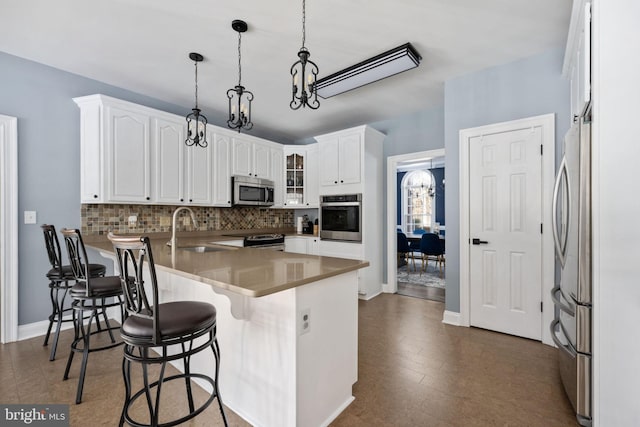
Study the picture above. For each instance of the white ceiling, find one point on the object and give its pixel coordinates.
(143, 46)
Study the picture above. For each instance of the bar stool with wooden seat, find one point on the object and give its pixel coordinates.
(60, 277)
(175, 330)
(92, 296)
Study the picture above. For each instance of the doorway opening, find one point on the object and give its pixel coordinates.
(415, 206)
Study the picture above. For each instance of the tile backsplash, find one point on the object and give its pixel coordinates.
(100, 218)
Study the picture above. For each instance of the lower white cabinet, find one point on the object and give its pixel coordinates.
(308, 245)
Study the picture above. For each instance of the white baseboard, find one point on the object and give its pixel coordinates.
(338, 411)
(36, 329)
(366, 297)
(451, 318)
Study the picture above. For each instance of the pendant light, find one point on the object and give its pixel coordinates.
(303, 75)
(239, 98)
(431, 192)
(196, 122)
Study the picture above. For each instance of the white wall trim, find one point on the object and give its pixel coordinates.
(392, 166)
(451, 318)
(547, 123)
(8, 229)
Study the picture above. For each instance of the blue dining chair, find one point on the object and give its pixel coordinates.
(431, 246)
(405, 251)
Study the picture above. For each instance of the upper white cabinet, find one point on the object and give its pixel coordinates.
(577, 61)
(115, 151)
(277, 167)
(250, 158)
(168, 160)
(135, 154)
(342, 156)
(221, 145)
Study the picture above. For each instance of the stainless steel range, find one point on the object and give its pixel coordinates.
(273, 241)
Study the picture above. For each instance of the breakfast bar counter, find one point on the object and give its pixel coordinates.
(287, 325)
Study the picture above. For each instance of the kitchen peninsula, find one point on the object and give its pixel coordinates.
(287, 325)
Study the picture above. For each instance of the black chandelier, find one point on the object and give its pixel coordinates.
(196, 122)
(304, 72)
(239, 98)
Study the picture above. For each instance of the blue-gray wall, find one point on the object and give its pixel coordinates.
(529, 87)
(49, 161)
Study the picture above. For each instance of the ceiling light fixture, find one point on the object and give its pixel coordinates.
(306, 72)
(239, 98)
(394, 61)
(196, 122)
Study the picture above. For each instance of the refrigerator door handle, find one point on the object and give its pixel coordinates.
(560, 242)
(563, 347)
(557, 300)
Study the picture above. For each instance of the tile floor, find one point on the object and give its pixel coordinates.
(413, 371)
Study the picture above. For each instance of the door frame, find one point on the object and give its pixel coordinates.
(9, 229)
(547, 123)
(392, 199)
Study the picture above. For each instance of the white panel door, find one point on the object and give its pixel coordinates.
(505, 171)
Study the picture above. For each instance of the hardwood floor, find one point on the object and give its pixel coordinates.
(413, 371)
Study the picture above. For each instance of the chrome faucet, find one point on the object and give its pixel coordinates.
(174, 224)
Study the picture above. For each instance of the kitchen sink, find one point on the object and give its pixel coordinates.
(203, 249)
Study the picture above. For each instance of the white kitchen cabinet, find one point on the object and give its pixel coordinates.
(301, 176)
(221, 145)
(168, 160)
(342, 156)
(577, 61)
(307, 244)
(200, 173)
(277, 169)
(358, 154)
(295, 245)
(182, 174)
(115, 151)
(250, 158)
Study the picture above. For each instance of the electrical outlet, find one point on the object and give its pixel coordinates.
(304, 321)
(165, 221)
(133, 220)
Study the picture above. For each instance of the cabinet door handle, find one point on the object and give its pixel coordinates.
(335, 182)
(182, 200)
(95, 196)
(148, 198)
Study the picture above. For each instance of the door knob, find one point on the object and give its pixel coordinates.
(479, 242)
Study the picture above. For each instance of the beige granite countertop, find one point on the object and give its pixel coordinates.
(246, 271)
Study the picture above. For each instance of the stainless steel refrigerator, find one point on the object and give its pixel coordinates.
(571, 328)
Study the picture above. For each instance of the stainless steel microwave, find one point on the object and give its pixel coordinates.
(248, 191)
(341, 217)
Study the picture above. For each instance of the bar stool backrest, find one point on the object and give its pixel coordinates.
(132, 252)
(53, 247)
(78, 259)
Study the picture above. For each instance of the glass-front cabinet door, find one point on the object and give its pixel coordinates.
(295, 180)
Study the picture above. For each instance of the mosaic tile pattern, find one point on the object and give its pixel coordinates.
(100, 219)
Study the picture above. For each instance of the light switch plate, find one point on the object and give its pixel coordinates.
(30, 217)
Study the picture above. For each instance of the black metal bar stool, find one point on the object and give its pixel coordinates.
(60, 277)
(92, 296)
(151, 324)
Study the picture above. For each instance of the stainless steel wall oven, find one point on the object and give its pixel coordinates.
(341, 217)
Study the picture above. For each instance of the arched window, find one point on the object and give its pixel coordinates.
(418, 201)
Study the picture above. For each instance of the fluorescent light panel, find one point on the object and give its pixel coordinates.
(394, 61)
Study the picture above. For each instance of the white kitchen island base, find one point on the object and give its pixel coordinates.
(274, 371)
